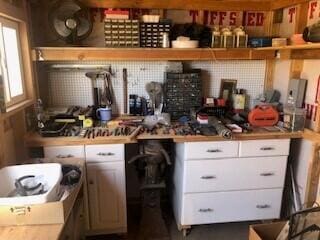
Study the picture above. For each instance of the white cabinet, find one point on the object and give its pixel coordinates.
(107, 198)
(106, 182)
(228, 181)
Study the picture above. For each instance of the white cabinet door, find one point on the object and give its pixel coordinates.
(107, 197)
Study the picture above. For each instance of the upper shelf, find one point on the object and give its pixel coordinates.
(305, 51)
(147, 54)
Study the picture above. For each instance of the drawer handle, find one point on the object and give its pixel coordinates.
(64, 156)
(267, 174)
(205, 210)
(213, 150)
(208, 177)
(267, 148)
(105, 154)
(264, 206)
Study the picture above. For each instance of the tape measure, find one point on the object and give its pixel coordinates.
(87, 123)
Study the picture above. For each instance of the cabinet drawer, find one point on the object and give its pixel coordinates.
(234, 174)
(274, 147)
(202, 150)
(105, 152)
(64, 152)
(205, 208)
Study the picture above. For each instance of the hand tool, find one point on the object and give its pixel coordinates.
(93, 133)
(125, 90)
(93, 77)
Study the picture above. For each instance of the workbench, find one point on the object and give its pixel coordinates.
(35, 140)
(105, 163)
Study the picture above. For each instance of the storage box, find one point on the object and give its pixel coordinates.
(121, 33)
(151, 34)
(47, 213)
(260, 42)
(268, 231)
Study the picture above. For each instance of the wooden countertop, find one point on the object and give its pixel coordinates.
(36, 232)
(236, 136)
(35, 140)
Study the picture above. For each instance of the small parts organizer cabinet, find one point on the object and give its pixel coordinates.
(106, 184)
(228, 181)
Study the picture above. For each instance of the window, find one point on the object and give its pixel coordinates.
(11, 68)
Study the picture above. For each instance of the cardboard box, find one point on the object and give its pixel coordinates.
(47, 213)
(268, 231)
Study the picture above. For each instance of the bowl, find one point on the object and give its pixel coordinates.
(185, 44)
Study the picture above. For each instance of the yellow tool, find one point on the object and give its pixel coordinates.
(87, 123)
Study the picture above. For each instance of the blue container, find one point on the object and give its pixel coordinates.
(255, 42)
(104, 114)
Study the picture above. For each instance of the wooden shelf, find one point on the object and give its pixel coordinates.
(293, 47)
(151, 54)
(305, 51)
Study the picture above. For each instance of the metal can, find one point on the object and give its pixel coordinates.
(165, 40)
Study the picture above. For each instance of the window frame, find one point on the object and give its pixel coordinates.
(11, 101)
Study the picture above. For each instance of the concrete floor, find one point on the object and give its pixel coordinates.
(225, 231)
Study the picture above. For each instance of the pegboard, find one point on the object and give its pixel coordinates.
(74, 88)
(249, 75)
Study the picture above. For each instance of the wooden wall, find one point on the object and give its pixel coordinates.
(12, 125)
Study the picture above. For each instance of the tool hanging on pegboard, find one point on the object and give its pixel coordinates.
(125, 90)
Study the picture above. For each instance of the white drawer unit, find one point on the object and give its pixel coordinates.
(228, 181)
(204, 208)
(104, 153)
(64, 151)
(274, 147)
(207, 150)
(234, 174)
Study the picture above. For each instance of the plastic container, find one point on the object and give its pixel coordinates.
(260, 42)
(50, 173)
(185, 44)
(279, 42)
(294, 119)
(150, 18)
